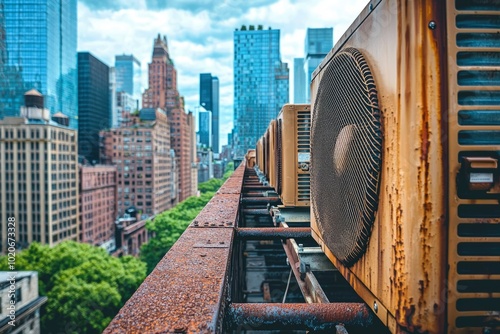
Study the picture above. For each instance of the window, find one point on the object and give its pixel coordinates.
(19, 295)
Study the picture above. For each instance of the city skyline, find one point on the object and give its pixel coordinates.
(200, 37)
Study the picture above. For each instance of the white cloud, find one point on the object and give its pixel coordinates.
(201, 41)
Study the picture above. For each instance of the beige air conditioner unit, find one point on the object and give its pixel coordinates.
(405, 144)
(293, 155)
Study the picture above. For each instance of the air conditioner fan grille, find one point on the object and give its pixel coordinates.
(346, 149)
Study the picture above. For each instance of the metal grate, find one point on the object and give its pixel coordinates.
(304, 154)
(346, 143)
(304, 187)
(303, 132)
(475, 249)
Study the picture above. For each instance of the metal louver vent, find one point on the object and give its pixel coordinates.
(474, 247)
(303, 132)
(304, 154)
(346, 144)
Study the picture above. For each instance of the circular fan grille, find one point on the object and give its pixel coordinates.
(346, 148)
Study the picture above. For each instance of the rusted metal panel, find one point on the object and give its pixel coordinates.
(299, 316)
(311, 290)
(270, 233)
(186, 291)
(403, 269)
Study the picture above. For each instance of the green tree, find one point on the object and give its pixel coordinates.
(85, 286)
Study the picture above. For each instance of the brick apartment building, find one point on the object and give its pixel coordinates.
(98, 186)
(141, 153)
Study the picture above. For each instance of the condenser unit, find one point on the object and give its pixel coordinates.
(293, 155)
(259, 158)
(405, 143)
(271, 131)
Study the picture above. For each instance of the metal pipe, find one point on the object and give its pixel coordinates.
(257, 212)
(258, 187)
(259, 200)
(270, 233)
(253, 194)
(298, 316)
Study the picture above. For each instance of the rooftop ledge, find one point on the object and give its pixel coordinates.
(186, 292)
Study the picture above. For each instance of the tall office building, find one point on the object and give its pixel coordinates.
(38, 50)
(128, 76)
(38, 176)
(261, 85)
(209, 99)
(163, 93)
(94, 113)
(299, 81)
(205, 128)
(319, 41)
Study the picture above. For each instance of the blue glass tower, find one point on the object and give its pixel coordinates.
(209, 99)
(39, 51)
(128, 76)
(319, 41)
(299, 81)
(261, 85)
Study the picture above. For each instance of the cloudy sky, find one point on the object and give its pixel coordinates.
(200, 35)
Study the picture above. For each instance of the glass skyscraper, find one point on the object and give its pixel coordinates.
(261, 85)
(209, 99)
(128, 76)
(93, 104)
(38, 50)
(319, 41)
(299, 81)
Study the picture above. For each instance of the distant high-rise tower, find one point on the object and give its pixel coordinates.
(319, 41)
(128, 76)
(209, 99)
(261, 85)
(94, 114)
(39, 49)
(299, 81)
(162, 93)
(205, 128)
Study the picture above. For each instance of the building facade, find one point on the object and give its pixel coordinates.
(205, 128)
(163, 93)
(209, 99)
(128, 77)
(141, 153)
(28, 303)
(38, 46)
(299, 81)
(130, 235)
(319, 41)
(94, 112)
(261, 84)
(125, 104)
(97, 204)
(38, 177)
